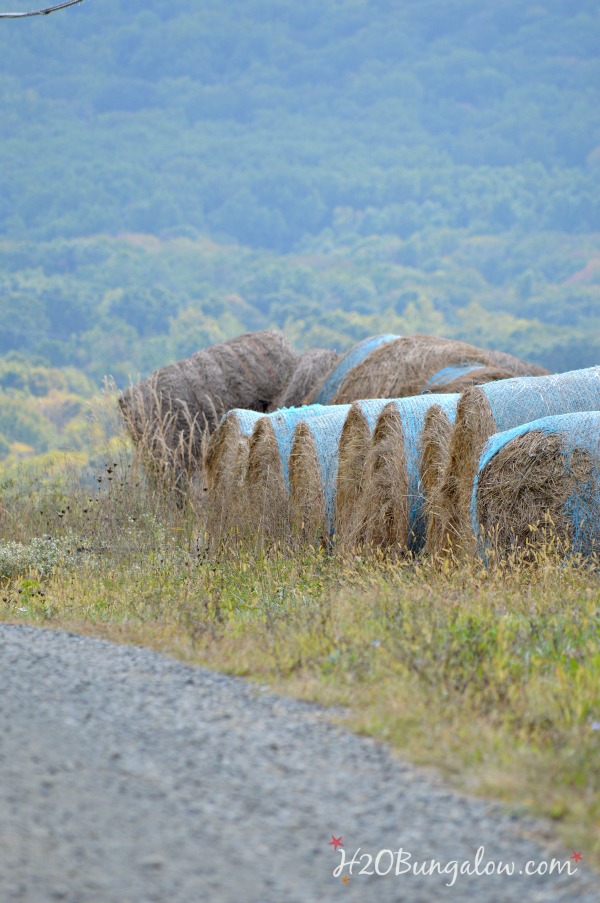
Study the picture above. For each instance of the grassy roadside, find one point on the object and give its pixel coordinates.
(491, 676)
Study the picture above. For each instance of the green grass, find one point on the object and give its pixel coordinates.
(493, 676)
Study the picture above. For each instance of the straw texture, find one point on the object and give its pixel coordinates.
(355, 441)
(495, 407)
(173, 408)
(393, 503)
(308, 377)
(266, 485)
(403, 367)
(326, 393)
(540, 482)
(313, 474)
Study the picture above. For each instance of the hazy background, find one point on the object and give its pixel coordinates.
(175, 172)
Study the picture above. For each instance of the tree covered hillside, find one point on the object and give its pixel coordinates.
(256, 119)
(173, 173)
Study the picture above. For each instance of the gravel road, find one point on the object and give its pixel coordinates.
(127, 777)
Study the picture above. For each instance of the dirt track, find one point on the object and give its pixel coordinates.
(126, 777)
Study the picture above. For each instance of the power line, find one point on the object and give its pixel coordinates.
(40, 12)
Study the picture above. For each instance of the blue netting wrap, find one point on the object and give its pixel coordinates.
(284, 423)
(355, 356)
(326, 431)
(578, 431)
(246, 419)
(526, 398)
(412, 413)
(449, 374)
(372, 408)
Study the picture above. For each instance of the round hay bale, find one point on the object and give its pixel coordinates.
(543, 475)
(224, 467)
(310, 372)
(358, 353)
(171, 410)
(435, 448)
(267, 477)
(313, 475)
(495, 407)
(392, 503)
(401, 368)
(354, 445)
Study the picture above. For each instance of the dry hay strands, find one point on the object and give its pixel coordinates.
(326, 393)
(460, 377)
(435, 450)
(538, 487)
(401, 368)
(392, 503)
(313, 475)
(493, 408)
(267, 477)
(225, 463)
(355, 441)
(308, 377)
(182, 401)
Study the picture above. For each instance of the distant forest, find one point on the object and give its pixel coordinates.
(172, 173)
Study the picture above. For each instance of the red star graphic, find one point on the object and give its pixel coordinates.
(335, 842)
(345, 880)
(577, 856)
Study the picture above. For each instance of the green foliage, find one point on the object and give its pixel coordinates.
(359, 167)
(257, 121)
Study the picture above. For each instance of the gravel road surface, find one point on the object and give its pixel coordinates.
(127, 777)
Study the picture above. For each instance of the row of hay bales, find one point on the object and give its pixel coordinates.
(170, 413)
(384, 448)
(423, 473)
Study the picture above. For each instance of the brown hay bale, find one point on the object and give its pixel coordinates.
(225, 463)
(493, 408)
(539, 486)
(329, 386)
(310, 372)
(170, 411)
(435, 450)
(400, 368)
(383, 515)
(265, 485)
(313, 475)
(392, 505)
(265, 493)
(355, 441)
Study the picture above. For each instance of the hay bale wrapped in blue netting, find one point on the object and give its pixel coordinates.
(436, 436)
(313, 474)
(392, 506)
(493, 408)
(333, 380)
(400, 368)
(543, 475)
(224, 465)
(266, 483)
(354, 446)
